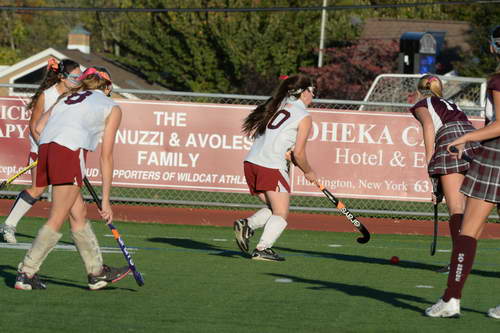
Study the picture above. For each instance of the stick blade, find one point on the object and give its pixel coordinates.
(366, 236)
(433, 248)
(138, 278)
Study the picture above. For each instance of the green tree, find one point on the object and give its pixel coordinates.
(480, 62)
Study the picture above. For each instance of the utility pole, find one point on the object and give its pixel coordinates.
(322, 34)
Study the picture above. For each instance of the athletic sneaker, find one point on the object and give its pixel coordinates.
(23, 282)
(107, 275)
(450, 309)
(9, 233)
(242, 234)
(494, 312)
(267, 254)
(443, 270)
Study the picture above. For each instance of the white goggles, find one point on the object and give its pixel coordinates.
(299, 91)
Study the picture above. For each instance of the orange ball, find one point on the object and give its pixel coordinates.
(394, 260)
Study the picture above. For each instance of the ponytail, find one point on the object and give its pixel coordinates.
(430, 85)
(256, 122)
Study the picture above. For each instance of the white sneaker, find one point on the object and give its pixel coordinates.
(450, 309)
(494, 312)
(9, 233)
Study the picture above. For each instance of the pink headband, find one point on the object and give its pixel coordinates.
(92, 70)
(52, 64)
(432, 78)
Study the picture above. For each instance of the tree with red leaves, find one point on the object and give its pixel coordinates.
(350, 70)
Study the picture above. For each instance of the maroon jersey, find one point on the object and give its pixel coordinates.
(493, 85)
(441, 111)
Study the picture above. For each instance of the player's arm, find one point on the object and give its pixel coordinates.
(108, 141)
(40, 125)
(36, 114)
(424, 117)
(299, 151)
(489, 132)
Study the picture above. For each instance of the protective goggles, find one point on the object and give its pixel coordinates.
(495, 42)
(73, 78)
(299, 91)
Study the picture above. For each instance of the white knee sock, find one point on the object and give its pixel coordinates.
(22, 205)
(40, 249)
(259, 219)
(272, 231)
(88, 247)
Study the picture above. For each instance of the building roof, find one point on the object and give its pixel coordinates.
(122, 77)
(457, 32)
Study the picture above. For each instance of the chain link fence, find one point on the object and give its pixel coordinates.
(387, 93)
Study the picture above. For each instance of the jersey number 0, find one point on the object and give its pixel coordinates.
(273, 124)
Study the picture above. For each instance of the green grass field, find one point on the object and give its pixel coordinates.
(197, 281)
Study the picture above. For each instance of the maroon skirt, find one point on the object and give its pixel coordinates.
(442, 162)
(482, 180)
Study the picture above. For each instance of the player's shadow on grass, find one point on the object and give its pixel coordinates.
(9, 274)
(379, 261)
(395, 299)
(33, 237)
(197, 246)
(8, 277)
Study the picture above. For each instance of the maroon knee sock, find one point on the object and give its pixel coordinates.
(455, 225)
(460, 267)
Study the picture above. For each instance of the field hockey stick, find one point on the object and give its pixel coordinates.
(439, 197)
(137, 275)
(22, 171)
(343, 209)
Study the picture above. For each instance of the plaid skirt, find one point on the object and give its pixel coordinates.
(482, 180)
(442, 162)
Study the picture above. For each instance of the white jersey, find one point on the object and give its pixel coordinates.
(269, 149)
(50, 97)
(492, 85)
(77, 121)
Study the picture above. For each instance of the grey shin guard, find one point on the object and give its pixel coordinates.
(40, 249)
(88, 247)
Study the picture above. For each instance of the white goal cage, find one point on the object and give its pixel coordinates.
(468, 93)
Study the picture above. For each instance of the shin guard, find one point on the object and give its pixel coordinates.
(88, 247)
(462, 260)
(259, 219)
(455, 226)
(22, 205)
(40, 249)
(272, 231)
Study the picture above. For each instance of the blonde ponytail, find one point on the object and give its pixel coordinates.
(430, 85)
